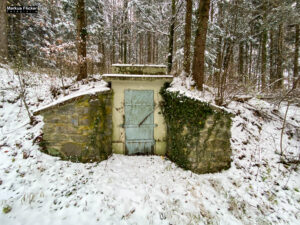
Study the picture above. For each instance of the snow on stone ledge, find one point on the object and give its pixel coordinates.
(84, 90)
(183, 86)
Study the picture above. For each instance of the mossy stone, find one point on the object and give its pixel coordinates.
(80, 130)
(198, 135)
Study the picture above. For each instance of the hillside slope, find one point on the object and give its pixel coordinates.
(36, 188)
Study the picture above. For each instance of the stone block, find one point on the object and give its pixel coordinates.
(72, 149)
(84, 122)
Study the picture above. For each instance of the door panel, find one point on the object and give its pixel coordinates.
(139, 133)
(139, 121)
(137, 113)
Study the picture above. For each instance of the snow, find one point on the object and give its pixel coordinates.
(140, 65)
(184, 86)
(41, 189)
(84, 90)
(137, 75)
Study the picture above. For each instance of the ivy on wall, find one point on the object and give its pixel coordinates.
(185, 118)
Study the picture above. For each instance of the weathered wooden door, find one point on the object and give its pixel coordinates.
(139, 121)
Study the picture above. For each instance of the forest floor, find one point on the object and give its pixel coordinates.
(36, 188)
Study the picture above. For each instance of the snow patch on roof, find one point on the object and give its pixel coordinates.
(84, 90)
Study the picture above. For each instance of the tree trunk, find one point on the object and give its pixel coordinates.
(14, 36)
(241, 61)
(272, 52)
(113, 57)
(296, 56)
(141, 49)
(120, 57)
(212, 11)
(3, 32)
(125, 8)
(263, 59)
(250, 61)
(171, 37)
(246, 62)
(200, 41)
(154, 41)
(264, 38)
(187, 37)
(51, 6)
(81, 40)
(279, 72)
(157, 50)
(219, 58)
(149, 48)
(101, 50)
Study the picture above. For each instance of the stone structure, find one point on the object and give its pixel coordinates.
(138, 115)
(198, 134)
(80, 128)
(134, 133)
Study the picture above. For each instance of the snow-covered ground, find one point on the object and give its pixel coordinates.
(36, 188)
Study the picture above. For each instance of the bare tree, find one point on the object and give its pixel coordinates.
(187, 37)
(125, 34)
(81, 40)
(3, 32)
(296, 57)
(171, 36)
(279, 60)
(264, 38)
(200, 42)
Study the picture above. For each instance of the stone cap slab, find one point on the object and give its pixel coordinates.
(112, 77)
(139, 69)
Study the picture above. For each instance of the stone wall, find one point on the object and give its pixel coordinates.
(212, 152)
(198, 134)
(79, 129)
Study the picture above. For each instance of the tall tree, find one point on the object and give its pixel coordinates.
(3, 32)
(200, 42)
(264, 38)
(187, 37)
(241, 61)
(150, 48)
(263, 59)
(125, 35)
(171, 36)
(81, 40)
(279, 60)
(296, 54)
(296, 57)
(272, 58)
(113, 56)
